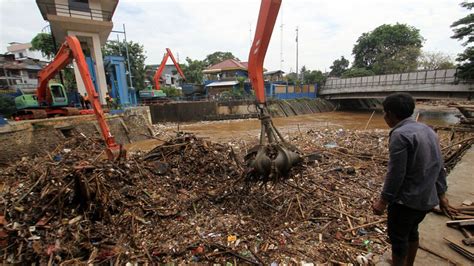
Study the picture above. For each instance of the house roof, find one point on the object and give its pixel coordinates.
(8, 62)
(15, 46)
(229, 64)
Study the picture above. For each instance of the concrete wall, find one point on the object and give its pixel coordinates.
(199, 111)
(182, 111)
(38, 137)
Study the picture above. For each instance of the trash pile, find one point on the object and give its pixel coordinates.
(187, 201)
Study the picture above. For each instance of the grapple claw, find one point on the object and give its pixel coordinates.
(274, 157)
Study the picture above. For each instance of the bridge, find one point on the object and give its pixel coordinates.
(426, 84)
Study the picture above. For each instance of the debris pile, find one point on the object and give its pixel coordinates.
(187, 201)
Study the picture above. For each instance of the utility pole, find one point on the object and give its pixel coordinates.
(126, 52)
(128, 56)
(296, 52)
(281, 44)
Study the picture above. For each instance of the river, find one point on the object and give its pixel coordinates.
(249, 129)
(232, 129)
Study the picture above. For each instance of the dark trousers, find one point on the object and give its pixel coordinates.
(402, 226)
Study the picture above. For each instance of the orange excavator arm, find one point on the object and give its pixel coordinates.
(266, 21)
(160, 69)
(69, 50)
(264, 165)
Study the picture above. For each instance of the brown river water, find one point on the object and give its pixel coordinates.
(249, 129)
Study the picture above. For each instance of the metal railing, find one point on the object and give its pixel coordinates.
(443, 76)
(75, 12)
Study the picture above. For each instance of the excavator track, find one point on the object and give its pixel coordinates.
(27, 114)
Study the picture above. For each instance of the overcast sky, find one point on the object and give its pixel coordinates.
(195, 28)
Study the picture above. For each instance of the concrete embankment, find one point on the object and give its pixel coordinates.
(39, 137)
(201, 111)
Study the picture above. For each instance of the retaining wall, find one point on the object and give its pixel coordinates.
(199, 111)
(38, 137)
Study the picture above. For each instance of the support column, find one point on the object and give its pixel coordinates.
(96, 54)
(99, 67)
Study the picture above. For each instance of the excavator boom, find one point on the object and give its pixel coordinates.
(273, 158)
(70, 50)
(160, 69)
(266, 21)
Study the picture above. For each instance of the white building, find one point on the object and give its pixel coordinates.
(23, 51)
(91, 22)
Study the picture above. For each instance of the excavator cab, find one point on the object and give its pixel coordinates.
(29, 99)
(58, 95)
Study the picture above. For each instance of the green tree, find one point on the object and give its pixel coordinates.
(137, 59)
(291, 77)
(43, 42)
(7, 105)
(435, 60)
(464, 31)
(338, 67)
(218, 57)
(388, 49)
(357, 72)
(193, 70)
(69, 79)
(312, 76)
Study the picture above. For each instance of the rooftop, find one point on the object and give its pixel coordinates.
(229, 64)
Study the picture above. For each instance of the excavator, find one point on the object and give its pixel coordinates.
(48, 96)
(273, 158)
(157, 93)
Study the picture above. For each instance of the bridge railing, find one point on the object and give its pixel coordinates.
(442, 76)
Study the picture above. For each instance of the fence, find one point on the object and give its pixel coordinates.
(289, 91)
(443, 76)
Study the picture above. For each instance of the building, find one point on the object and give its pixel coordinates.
(228, 69)
(19, 74)
(223, 77)
(23, 51)
(275, 75)
(91, 22)
(169, 76)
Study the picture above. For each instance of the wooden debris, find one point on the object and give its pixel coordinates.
(181, 201)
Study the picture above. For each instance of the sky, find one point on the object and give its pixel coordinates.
(196, 28)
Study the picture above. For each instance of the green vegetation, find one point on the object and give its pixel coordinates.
(137, 59)
(218, 57)
(312, 76)
(193, 70)
(339, 66)
(43, 42)
(435, 60)
(171, 91)
(357, 72)
(464, 31)
(388, 49)
(7, 105)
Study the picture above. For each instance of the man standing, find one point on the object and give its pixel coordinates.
(415, 181)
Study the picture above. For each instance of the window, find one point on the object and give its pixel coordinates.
(32, 75)
(20, 55)
(80, 5)
(57, 91)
